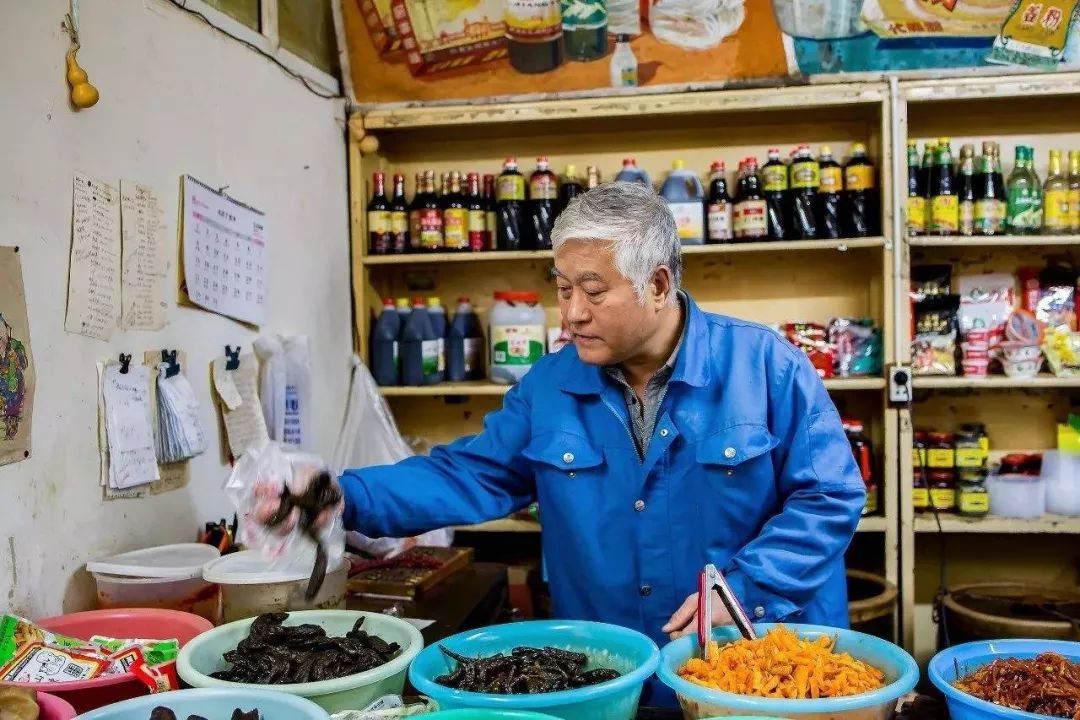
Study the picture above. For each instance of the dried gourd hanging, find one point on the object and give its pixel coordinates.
(83, 94)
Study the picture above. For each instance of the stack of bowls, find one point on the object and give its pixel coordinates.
(1021, 360)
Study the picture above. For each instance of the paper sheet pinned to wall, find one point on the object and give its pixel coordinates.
(145, 259)
(17, 371)
(129, 427)
(224, 251)
(173, 476)
(93, 305)
(241, 410)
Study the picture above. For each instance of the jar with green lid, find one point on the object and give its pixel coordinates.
(972, 499)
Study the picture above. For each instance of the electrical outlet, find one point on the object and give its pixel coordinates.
(900, 391)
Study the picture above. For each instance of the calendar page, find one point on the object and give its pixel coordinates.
(225, 258)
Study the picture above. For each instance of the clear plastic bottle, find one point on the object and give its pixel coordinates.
(624, 64)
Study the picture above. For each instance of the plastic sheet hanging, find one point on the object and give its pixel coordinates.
(369, 436)
(285, 388)
(695, 24)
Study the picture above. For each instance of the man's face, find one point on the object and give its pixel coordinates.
(607, 323)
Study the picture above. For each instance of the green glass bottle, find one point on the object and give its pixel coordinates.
(1023, 213)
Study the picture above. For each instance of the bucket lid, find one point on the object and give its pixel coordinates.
(177, 562)
(251, 568)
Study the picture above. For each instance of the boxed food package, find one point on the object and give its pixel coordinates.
(380, 24)
(440, 35)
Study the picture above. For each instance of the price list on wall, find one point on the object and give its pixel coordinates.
(224, 253)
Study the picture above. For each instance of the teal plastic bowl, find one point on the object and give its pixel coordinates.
(901, 674)
(202, 656)
(215, 704)
(953, 663)
(629, 652)
(488, 715)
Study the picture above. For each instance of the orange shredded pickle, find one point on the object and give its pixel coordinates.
(782, 665)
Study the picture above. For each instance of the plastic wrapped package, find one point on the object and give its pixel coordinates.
(813, 339)
(933, 346)
(986, 302)
(695, 24)
(856, 345)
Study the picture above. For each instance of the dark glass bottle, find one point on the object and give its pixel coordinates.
(860, 212)
(543, 199)
(378, 218)
(491, 218)
(399, 216)
(534, 35)
(804, 182)
(415, 214)
(570, 187)
(925, 173)
(475, 215)
(990, 196)
(965, 190)
(916, 202)
(719, 210)
(510, 206)
(774, 180)
(827, 200)
(750, 221)
(431, 217)
(944, 204)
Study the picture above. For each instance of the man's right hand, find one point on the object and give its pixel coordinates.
(268, 501)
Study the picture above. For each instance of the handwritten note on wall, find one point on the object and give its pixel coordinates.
(145, 258)
(94, 276)
(129, 427)
(240, 409)
(225, 254)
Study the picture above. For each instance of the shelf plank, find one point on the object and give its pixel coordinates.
(994, 241)
(994, 382)
(991, 87)
(1048, 524)
(490, 388)
(722, 249)
(632, 103)
(517, 525)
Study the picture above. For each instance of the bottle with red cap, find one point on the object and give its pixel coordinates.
(510, 207)
(543, 204)
(476, 215)
(632, 173)
(381, 241)
(399, 216)
(751, 221)
(718, 212)
(465, 348)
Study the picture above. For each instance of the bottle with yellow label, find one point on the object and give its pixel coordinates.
(1074, 191)
(965, 189)
(944, 203)
(805, 180)
(990, 199)
(861, 216)
(830, 188)
(455, 215)
(1055, 198)
(916, 203)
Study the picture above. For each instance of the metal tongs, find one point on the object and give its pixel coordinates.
(712, 579)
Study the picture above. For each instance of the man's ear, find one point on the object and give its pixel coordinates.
(660, 287)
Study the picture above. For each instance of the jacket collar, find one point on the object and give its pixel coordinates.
(691, 364)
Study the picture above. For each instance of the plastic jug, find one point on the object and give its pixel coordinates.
(419, 348)
(437, 314)
(384, 345)
(632, 173)
(686, 197)
(465, 345)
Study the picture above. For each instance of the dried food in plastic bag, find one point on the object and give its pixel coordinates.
(1062, 351)
(930, 281)
(986, 302)
(856, 345)
(933, 347)
(813, 339)
(1057, 297)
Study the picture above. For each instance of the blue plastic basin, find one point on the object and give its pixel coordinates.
(213, 704)
(488, 715)
(952, 664)
(627, 651)
(901, 674)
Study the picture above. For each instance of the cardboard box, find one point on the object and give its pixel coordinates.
(440, 35)
(380, 24)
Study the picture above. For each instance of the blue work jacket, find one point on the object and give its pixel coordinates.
(748, 468)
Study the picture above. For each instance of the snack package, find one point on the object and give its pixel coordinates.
(856, 344)
(933, 345)
(986, 302)
(813, 339)
(271, 469)
(1056, 306)
(440, 35)
(930, 281)
(1062, 351)
(30, 653)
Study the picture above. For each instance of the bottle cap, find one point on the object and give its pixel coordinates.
(677, 164)
(628, 162)
(774, 151)
(462, 299)
(542, 161)
(717, 166)
(418, 301)
(941, 141)
(402, 303)
(622, 37)
(379, 176)
(434, 301)
(1055, 154)
(388, 301)
(826, 150)
(510, 162)
(858, 149)
(571, 171)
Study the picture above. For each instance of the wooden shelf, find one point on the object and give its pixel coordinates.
(724, 249)
(994, 382)
(483, 387)
(954, 524)
(994, 241)
(873, 524)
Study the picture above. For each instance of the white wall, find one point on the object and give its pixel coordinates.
(176, 97)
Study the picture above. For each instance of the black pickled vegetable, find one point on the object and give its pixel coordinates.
(320, 495)
(525, 671)
(163, 713)
(275, 654)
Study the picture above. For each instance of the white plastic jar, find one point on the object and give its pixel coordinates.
(516, 332)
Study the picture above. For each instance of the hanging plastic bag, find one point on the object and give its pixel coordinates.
(261, 474)
(285, 388)
(369, 436)
(695, 24)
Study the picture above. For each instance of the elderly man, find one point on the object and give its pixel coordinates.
(663, 439)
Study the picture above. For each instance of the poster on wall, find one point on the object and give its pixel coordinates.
(437, 50)
(17, 363)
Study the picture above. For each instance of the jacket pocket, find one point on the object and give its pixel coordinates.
(563, 451)
(736, 445)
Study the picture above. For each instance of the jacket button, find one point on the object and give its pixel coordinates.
(645, 590)
(759, 612)
(663, 432)
(639, 505)
(728, 453)
(571, 474)
(730, 472)
(569, 457)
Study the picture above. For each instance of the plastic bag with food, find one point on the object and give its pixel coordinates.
(695, 24)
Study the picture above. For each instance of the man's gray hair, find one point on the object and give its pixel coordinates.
(637, 224)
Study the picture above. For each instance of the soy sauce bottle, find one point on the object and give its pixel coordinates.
(543, 198)
(860, 214)
(827, 205)
(916, 202)
(378, 218)
(944, 203)
(718, 211)
(774, 181)
(570, 187)
(510, 207)
(476, 215)
(399, 216)
(491, 216)
(805, 180)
